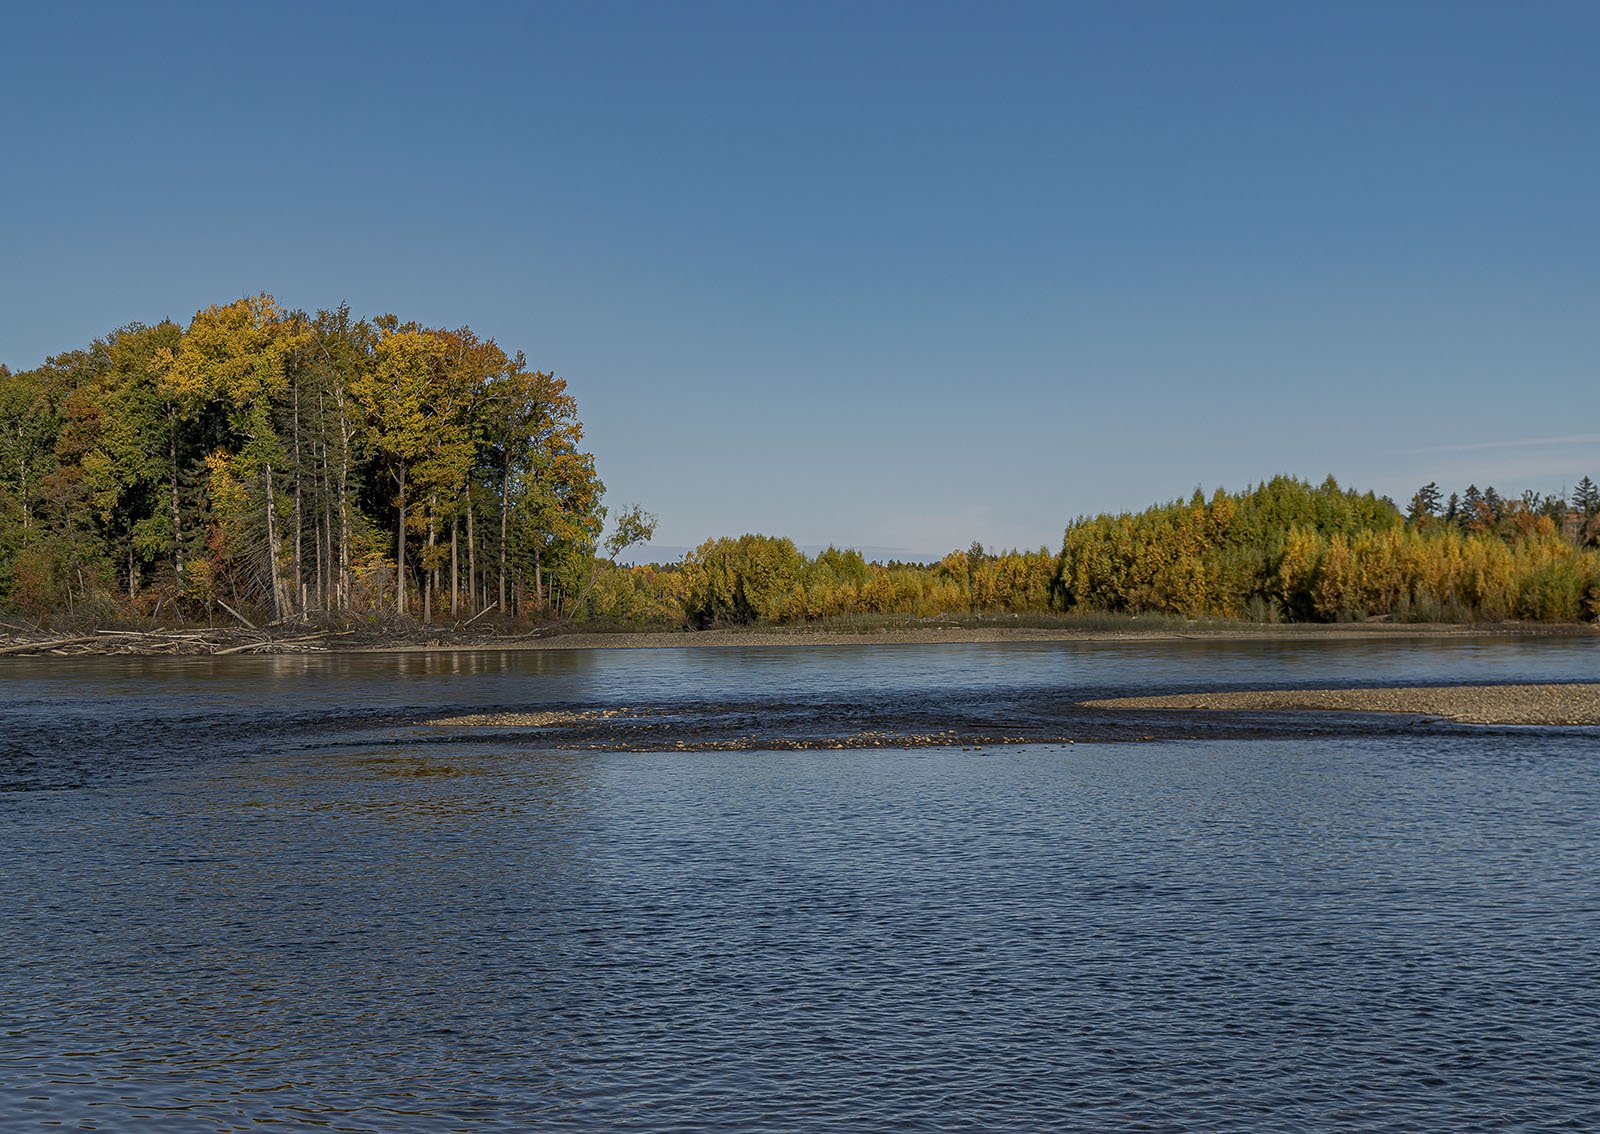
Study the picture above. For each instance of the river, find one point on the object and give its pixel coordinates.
(251, 892)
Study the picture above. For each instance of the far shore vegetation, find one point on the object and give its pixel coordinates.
(269, 466)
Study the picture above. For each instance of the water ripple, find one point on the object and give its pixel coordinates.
(333, 928)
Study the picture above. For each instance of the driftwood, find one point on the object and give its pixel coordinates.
(273, 643)
(236, 614)
(49, 644)
(246, 638)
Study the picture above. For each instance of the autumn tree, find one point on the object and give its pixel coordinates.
(396, 397)
(31, 416)
(532, 433)
(115, 445)
(337, 359)
(235, 357)
(32, 412)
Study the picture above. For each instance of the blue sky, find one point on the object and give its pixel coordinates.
(901, 276)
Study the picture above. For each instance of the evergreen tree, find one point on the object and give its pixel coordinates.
(1474, 514)
(1586, 498)
(1424, 505)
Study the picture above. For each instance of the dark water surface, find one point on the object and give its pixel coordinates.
(241, 893)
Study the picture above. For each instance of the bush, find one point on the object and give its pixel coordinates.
(738, 581)
(1553, 593)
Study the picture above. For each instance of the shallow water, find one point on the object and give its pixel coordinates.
(245, 892)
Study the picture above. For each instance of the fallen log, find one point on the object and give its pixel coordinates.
(29, 647)
(236, 614)
(240, 649)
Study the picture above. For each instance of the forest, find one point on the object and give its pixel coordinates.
(286, 466)
(272, 465)
(1280, 551)
(1287, 551)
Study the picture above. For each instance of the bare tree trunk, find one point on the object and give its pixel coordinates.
(22, 480)
(325, 585)
(538, 579)
(330, 597)
(299, 514)
(400, 549)
(272, 547)
(133, 576)
(320, 532)
(430, 576)
(472, 558)
(172, 496)
(505, 512)
(455, 569)
(345, 435)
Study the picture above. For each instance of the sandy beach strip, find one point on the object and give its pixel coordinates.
(1470, 704)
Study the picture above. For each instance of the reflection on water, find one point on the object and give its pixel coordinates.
(275, 909)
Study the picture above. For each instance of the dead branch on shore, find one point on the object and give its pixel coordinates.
(46, 644)
(215, 642)
(236, 614)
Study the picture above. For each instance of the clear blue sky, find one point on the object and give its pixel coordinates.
(901, 276)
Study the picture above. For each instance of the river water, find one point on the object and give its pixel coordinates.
(240, 893)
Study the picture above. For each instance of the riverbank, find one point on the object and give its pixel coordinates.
(216, 641)
(966, 635)
(1548, 704)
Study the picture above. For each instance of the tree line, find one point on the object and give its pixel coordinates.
(766, 579)
(1283, 550)
(284, 465)
(1286, 549)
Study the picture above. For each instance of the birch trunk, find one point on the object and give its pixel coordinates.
(299, 512)
(345, 435)
(278, 602)
(505, 512)
(400, 549)
(430, 576)
(472, 559)
(172, 494)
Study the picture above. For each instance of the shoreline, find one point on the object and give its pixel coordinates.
(807, 636)
(301, 639)
(1547, 703)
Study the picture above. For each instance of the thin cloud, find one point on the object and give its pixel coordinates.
(1526, 443)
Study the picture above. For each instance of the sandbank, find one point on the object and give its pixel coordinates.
(1551, 704)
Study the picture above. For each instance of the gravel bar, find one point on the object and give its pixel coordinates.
(1469, 704)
